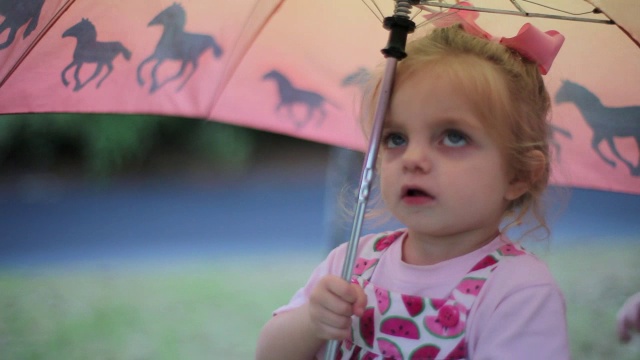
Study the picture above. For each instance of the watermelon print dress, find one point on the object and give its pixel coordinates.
(398, 326)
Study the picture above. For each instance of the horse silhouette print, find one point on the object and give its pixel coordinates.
(290, 96)
(89, 50)
(607, 123)
(359, 78)
(176, 44)
(17, 13)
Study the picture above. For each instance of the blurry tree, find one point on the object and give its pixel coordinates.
(105, 144)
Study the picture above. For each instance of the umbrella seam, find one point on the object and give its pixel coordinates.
(39, 37)
(228, 73)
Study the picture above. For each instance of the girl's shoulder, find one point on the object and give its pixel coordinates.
(526, 270)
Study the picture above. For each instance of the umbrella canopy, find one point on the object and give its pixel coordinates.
(625, 14)
(295, 66)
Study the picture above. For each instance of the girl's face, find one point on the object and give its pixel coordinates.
(441, 173)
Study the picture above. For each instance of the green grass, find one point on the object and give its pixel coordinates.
(149, 311)
(596, 281)
(215, 309)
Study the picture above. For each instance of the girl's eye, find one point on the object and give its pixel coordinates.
(453, 138)
(394, 140)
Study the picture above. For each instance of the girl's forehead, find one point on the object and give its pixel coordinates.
(466, 92)
(464, 69)
(476, 80)
(437, 104)
(442, 89)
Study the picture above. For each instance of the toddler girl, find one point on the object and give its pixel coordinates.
(464, 149)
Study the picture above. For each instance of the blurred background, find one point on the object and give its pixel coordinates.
(147, 237)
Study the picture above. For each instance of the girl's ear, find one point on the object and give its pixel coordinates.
(521, 183)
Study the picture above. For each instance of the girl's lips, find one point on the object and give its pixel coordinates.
(414, 195)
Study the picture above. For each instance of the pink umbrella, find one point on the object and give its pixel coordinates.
(293, 67)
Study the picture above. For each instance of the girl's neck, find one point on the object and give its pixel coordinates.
(418, 249)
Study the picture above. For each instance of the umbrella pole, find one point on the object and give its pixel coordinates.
(366, 179)
(400, 26)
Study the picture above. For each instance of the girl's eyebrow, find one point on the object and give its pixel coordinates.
(388, 123)
(457, 123)
(439, 123)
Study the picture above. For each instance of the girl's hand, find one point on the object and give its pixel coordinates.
(332, 303)
(629, 318)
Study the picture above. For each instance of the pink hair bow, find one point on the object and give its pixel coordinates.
(530, 42)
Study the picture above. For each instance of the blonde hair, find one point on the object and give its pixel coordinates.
(507, 92)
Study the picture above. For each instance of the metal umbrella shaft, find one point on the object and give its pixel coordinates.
(399, 26)
(366, 180)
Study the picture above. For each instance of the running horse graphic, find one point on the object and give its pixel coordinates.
(89, 50)
(359, 78)
(291, 96)
(607, 123)
(17, 13)
(176, 44)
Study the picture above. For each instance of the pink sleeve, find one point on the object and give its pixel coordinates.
(523, 316)
(331, 265)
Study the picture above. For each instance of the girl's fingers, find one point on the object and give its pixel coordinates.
(628, 318)
(338, 296)
(341, 288)
(333, 320)
(332, 303)
(623, 331)
(361, 300)
(328, 324)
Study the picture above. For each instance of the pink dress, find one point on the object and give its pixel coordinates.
(498, 302)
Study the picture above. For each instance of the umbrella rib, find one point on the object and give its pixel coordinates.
(517, 13)
(416, 14)
(552, 8)
(230, 68)
(379, 15)
(39, 37)
(438, 17)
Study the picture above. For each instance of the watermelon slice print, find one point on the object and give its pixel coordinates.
(471, 285)
(385, 241)
(448, 322)
(339, 354)
(355, 355)
(413, 304)
(383, 299)
(510, 250)
(369, 356)
(437, 303)
(401, 327)
(389, 349)
(485, 262)
(348, 344)
(367, 327)
(426, 352)
(363, 265)
(459, 352)
(439, 329)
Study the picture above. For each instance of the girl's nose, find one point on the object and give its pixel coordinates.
(416, 159)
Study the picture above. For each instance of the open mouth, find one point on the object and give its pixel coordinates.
(416, 196)
(415, 192)
(412, 192)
